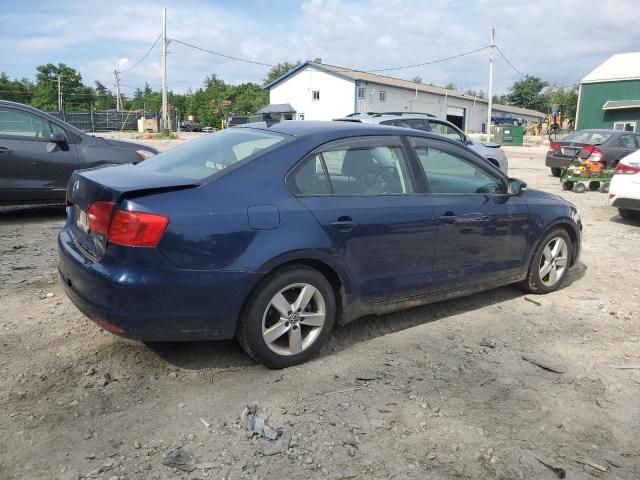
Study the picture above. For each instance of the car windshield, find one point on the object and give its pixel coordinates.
(592, 138)
(209, 155)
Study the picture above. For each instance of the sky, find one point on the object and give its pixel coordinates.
(559, 41)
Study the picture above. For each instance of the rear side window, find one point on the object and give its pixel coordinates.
(16, 123)
(626, 141)
(354, 168)
(591, 138)
(213, 153)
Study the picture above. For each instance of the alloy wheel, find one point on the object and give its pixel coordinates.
(294, 318)
(553, 261)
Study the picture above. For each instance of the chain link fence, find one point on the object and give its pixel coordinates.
(110, 120)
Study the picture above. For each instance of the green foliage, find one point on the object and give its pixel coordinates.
(15, 90)
(527, 93)
(74, 93)
(279, 70)
(568, 98)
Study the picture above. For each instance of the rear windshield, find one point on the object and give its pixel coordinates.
(592, 138)
(213, 153)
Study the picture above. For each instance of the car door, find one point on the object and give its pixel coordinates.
(33, 168)
(362, 192)
(481, 233)
(626, 145)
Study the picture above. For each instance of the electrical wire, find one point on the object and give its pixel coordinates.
(221, 54)
(508, 62)
(144, 56)
(431, 62)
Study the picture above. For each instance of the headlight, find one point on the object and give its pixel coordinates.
(145, 154)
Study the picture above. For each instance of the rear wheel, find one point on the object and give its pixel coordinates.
(556, 172)
(579, 187)
(550, 263)
(567, 185)
(594, 185)
(288, 317)
(605, 187)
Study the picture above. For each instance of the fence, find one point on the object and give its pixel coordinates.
(107, 120)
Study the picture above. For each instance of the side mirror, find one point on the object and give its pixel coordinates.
(516, 187)
(59, 139)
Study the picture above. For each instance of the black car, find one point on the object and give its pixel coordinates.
(38, 154)
(190, 126)
(507, 119)
(606, 146)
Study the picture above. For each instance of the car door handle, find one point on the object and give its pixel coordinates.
(4, 150)
(344, 224)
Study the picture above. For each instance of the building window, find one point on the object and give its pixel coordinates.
(625, 126)
(383, 96)
(361, 92)
(315, 95)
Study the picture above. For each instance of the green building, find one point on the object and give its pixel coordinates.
(609, 97)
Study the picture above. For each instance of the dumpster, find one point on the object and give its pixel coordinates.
(508, 134)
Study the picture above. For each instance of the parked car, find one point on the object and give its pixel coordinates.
(190, 126)
(38, 153)
(624, 191)
(599, 145)
(208, 129)
(429, 123)
(507, 119)
(272, 232)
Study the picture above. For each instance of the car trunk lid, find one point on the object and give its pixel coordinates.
(110, 185)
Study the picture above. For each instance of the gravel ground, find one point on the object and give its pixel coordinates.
(435, 392)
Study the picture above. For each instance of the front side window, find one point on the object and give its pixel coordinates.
(315, 95)
(447, 131)
(213, 153)
(451, 173)
(15, 123)
(355, 167)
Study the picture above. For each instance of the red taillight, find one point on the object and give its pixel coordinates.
(554, 147)
(137, 229)
(99, 216)
(623, 168)
(594, 153)
(133, 229)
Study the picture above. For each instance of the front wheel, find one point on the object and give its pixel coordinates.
(550, 263)
(288, 317)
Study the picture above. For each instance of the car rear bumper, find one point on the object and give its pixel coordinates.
(625, 203)
(153, 304)
(559, 162)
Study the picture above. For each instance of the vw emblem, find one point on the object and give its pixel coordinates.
(75, 187)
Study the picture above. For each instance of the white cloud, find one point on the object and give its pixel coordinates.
(546, 38)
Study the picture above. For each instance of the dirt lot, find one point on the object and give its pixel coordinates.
(436, 392)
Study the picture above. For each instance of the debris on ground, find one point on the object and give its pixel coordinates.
(629, 366)
(257, 423)
(205, 423)
(592, 465)
(544, 363)
(280, 446)
(180, 459)
(535, 302)
(561, 472)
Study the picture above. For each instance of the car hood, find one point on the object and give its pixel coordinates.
(128, 145)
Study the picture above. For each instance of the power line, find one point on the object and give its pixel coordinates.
(508, 62)
(431, 62)
(221, 54)
(143, 57)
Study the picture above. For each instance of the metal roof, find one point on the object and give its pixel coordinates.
(277, 108)
(354, 75)
(621, 66)
(620, 104)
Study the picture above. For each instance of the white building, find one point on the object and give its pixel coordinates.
(317, 91)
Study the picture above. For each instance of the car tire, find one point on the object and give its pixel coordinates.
(539, 277)
(629, 214)
(556, 172)
(278, 338)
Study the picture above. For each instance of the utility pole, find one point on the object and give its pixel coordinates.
(490, 104)
(118, 98)
(164, 122)
(59, 93)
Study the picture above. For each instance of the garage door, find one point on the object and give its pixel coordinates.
(456, 116)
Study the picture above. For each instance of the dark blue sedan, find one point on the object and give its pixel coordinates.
(274, 232)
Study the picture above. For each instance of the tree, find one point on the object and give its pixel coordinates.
(280, 69)
(417, 79)
(15, 90)
(103, 98)
(450, 86)
(75, 95)
(568, 98)
(527, 93)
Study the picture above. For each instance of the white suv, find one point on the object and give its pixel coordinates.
(624, 191)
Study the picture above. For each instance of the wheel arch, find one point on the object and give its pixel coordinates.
(572, 231)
